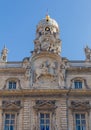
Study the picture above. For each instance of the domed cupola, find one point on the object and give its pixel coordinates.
(47, 25)
(47, 36)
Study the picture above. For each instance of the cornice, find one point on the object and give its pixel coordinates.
(46, 92)
(79, 69)
(12, 70)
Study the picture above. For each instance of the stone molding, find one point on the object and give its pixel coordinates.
(80, 106)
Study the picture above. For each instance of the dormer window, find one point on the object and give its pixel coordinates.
(12, 85)
(78, 84)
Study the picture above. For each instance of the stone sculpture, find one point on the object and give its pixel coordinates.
(87, 53)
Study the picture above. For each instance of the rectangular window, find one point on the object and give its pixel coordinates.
(80, 122)
(9, 122)
(44, 121)
(78, 84)
(12, 85)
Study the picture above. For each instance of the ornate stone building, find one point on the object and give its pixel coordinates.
(45, 91)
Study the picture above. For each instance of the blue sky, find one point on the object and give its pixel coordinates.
(18, 20)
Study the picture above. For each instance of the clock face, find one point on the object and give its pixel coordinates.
(47, 29)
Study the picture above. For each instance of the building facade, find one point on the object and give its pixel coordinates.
(45, 91)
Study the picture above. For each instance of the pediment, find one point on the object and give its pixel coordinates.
(77, 105)
(11, 105)
(45, 105)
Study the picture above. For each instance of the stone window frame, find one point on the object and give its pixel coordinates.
(44, 112)
(16, 118)
(80, 107)
(18, 84)
(86, 119)
(45, 106)
(11, 107)
(80, 79)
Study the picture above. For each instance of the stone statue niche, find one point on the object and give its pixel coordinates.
(87, 53)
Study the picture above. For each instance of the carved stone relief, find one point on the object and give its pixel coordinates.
(46, 68)
(14, 105)
(48, 72)
(47, 43)
(45, 105)
(80, 105)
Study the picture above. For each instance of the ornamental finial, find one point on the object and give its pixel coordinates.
(47, 16)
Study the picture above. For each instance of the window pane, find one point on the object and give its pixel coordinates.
(83, 116)
(6, 128)
(14, 85)
(77, 122)
(47, 128)
(47, 115)
(10, 85)
(12, 116)
(47, 121)
(83, 128)
(77, 116)
(80, 121)
(83, 122)
(11, 127)
(78, 128)
(41, 115)
(6, 122)
(7, 116)
(80, 84)
(12, 122)
(42, 121)
(42, 127)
